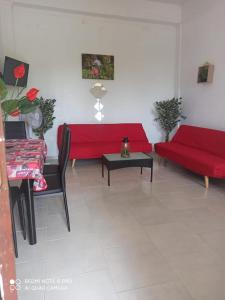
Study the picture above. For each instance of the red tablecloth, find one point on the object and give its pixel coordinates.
(25, 160)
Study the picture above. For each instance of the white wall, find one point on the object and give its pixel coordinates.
(52, 39)
(135, 9)
(203, 41)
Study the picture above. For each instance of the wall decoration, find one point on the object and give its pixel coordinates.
(96, 66)
(205, 73)
(98, 91)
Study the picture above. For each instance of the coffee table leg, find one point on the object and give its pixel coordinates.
(102, 169)
(151, 172)
(108, 177)
(141, 170)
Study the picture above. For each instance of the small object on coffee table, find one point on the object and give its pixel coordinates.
(125, 148)
(136, 159)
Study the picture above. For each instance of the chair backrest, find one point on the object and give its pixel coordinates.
(15, 130)
(63, 140)
(65, 154)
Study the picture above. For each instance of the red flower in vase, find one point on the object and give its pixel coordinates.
(32, 94)
(19, 71)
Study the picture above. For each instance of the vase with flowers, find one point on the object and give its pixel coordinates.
(13, 103)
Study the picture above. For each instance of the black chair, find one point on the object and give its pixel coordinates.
(15, 130)
(56, 181)
(53, 168)
(63, 140)
(15, 198)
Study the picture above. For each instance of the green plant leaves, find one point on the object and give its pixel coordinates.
(47, 107)
(8, 106)
(23, 105)
(3, 90)
(169, 113)
(16, 104)
(26, 106)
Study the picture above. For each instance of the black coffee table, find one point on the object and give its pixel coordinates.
(136, 159)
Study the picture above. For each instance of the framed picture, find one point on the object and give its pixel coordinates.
(97, 66)
(205, 73)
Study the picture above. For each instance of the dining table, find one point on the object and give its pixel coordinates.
(25, 161)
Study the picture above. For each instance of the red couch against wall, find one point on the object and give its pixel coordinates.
(201, 150)
(94, 140)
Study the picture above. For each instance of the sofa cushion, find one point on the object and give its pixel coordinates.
(97, 149)
(197, 160)
(208, 140)
(93, 140)
(85, 133)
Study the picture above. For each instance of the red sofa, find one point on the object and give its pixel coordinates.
(94, 140)
(200, 150)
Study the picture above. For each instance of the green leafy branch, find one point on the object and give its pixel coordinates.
(169, 114)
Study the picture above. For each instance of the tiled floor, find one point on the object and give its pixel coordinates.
(131, 241)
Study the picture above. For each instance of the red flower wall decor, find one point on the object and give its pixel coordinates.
(15, 105)
(19, 71)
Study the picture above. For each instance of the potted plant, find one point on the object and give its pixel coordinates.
(47, 108)
(169, 114)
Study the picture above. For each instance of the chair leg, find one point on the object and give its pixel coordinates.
(14, 234)
(20, 204)
(66, 210)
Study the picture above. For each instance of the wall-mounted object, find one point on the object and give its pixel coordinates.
(98, 91)
(8, 75)
(205, 73)
(96, 66)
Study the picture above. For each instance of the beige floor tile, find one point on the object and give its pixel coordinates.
(198, 190)
(167, 291)
(57, 227)
(89, 286)
(181, 200)
(28, 272)
(204, 283)
(193, 260)
(122, 235)
(137, 266)
(152, 215)
(88, 260)
(201, 272)
(216, 205)
(216, 241)
(73, 256)
(139, 272)
(128, 253)
(31, 254)
(34, 295)
(146, 201)
(70, 246)
(200, 220)
(134, 240)
(174, 238)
